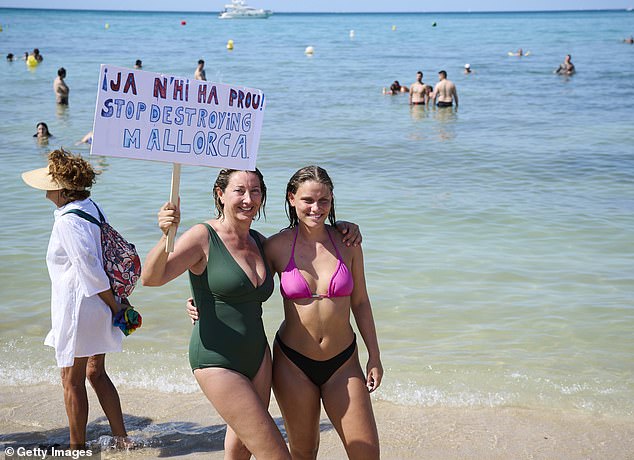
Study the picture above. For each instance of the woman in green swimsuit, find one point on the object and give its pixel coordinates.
(230, 279)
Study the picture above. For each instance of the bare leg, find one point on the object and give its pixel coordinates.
(239, 403)
(347, 403)
(234, 448)
(299, 401)
(107, 393)
(76, 401)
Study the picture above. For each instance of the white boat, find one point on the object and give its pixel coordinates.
(238, 9)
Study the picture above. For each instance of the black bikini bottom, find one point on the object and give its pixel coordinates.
(317, 371)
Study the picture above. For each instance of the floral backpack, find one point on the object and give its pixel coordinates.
(121, 262)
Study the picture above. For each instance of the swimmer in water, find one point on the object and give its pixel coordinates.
(567, 67)
(396, 88)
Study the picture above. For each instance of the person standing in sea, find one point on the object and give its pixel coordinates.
(315, 354)
(60, 87)
(567, 67)
(82, 302)
(200, 74)
(417, 93)
(230, 279)
(445, 92)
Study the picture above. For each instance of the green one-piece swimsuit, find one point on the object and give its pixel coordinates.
(229, 332)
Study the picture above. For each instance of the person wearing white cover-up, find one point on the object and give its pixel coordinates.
(81, 321)
(82, 302)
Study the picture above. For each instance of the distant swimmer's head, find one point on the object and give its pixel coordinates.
(61, 72)
(467, 66)
(42, 131)
(138, 64)
(10, 57)
(419, 76)
(395, 87)
(442, 74)
(201, 62)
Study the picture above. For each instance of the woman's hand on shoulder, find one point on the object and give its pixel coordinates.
(350, 231)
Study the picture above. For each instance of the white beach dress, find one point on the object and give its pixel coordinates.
(81, 321)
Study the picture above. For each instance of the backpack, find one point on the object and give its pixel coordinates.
(121, 262)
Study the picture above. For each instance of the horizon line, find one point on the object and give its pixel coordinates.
(326, 12)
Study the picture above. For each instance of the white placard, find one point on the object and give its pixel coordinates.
(151, 116)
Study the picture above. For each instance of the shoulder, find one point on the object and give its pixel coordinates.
(198, 232)
(283, 237)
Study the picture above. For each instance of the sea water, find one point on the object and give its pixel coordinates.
(498, 238)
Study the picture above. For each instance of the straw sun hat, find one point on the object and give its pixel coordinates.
(42, 180)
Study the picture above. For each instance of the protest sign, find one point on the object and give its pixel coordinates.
(151, 116)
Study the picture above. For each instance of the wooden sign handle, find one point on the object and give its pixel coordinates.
(176, 180)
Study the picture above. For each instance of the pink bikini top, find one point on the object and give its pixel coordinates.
(293, 285)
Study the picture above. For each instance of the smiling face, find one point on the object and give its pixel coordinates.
(312, 203)
(242, 197)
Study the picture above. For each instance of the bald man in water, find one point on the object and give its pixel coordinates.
(444, 92)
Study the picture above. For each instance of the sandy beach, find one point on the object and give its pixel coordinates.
(186, 426)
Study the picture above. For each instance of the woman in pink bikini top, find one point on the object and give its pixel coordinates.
(293, 285)
(315, 355)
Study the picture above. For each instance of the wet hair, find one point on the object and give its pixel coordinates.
(41, 123)
(10, 57)
(138, 62)
(72, 172)
(61, 71)
(443, 73)
(306, 174)
(200, 61)
(223, 180)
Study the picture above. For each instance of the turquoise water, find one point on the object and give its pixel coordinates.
(498, 238)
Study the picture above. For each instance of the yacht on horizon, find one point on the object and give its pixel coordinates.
(238, 9)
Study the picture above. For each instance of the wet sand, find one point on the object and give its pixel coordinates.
(186, 426)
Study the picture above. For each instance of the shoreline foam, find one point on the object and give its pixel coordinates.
(186, 426)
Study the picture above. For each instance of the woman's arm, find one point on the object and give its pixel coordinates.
(160, 267)
(362, 311)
